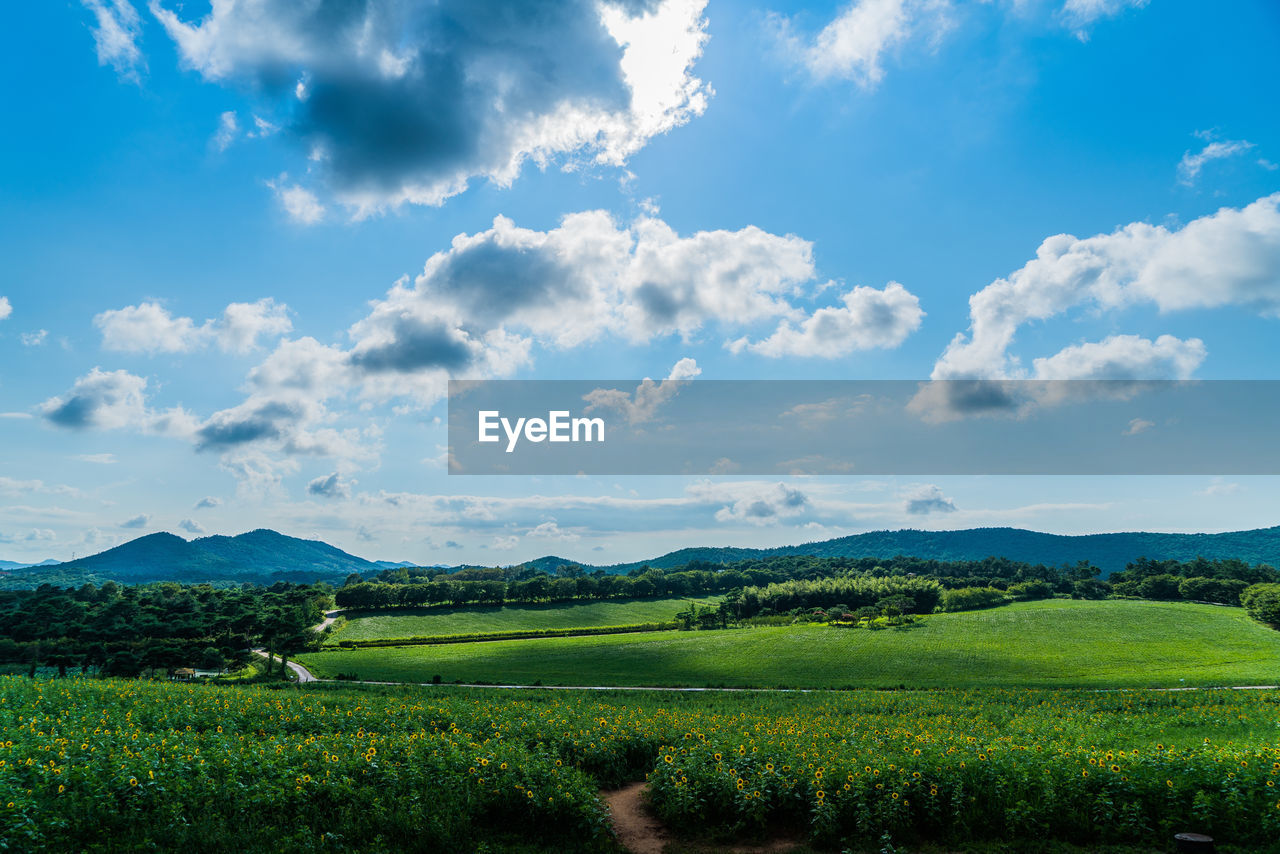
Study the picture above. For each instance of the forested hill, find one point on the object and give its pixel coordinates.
(1110, 552)
(261, 556)
(265, 556)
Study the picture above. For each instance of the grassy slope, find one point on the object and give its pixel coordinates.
(1055, 643)
(407, 623)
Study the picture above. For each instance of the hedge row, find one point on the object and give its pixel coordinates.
(475, 637)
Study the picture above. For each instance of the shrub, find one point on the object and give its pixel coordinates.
(972, 598)
(1262, 601)
(1028, 590)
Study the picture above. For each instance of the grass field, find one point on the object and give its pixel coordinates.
(420, 622)
(1054, 643)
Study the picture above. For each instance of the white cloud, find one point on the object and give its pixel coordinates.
(1138, 425)
(98, 459)
(460, 89)
(551, 531)
(139, 521)
(641, 406)
(116, 35)
(331, 486)
(1191, 164)
(6, 308)
(228, 129)
(105, 400)
(299, 204)
(35, 339)
(752, 502)
(925, 499)
(150, 328)
(1230, 257)
(191, 526)
(851, 45)
(1079, 15)
(208, 501)
(1122, 357)
(868, 319)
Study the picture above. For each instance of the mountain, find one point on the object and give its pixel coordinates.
(6, 565)
(261, 557)
(1110, 552)
(264, 556)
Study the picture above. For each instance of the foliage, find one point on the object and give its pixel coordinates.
(113, 765)
(1262, 601)
(972, 598)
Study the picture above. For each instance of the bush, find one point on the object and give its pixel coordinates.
(1262, 601)
(1090, 588)
(1028, 590)
(1225, 591)
(972, 598)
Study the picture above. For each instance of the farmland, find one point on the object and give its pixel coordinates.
(1052, 643)
(123, 765)
(404, 623)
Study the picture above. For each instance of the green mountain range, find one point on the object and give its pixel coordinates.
(265, 556)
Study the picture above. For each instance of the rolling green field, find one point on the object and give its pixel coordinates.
(421, 622)
(1053, 643)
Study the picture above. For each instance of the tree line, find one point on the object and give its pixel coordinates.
(126, 630)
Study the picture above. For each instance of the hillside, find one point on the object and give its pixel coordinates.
(260, 556)
(1110, 552)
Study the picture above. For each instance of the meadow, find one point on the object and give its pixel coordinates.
(429, 622)
(110, 765)
(1050, 643)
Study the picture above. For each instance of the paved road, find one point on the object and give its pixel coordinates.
(303, 674)
(329, 617)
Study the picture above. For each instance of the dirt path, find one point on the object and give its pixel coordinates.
(639, 832)
(329, 617)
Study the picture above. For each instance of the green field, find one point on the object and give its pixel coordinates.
(424, 622)
(1054, 643)
(132, 765)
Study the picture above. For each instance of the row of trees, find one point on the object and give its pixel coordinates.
(125, 630)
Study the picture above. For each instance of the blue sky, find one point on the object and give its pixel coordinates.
(247, 244)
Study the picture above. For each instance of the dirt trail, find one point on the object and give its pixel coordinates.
(641, 833)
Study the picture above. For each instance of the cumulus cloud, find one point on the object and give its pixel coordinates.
(191, 526)
(116, 31)
(208, 501)
(1122, 357)
(331, 486)
(927, 499)
(103, 399)
(150, 328)
(641, 406)
(868, 319)
(1230, 257)
(853, 44)
(299, 204)
(99, 459)
(139, 521)
(551, 531)
(407, 104)
(35, 339)
(752, 502)
(6, 308)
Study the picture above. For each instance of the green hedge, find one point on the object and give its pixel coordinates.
(529, 634)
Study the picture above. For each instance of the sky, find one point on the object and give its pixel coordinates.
(247, 244)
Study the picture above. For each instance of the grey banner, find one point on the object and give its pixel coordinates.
(863, 427)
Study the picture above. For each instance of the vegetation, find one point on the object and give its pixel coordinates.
(1055, 642)
(126, 631)
(112, 765)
